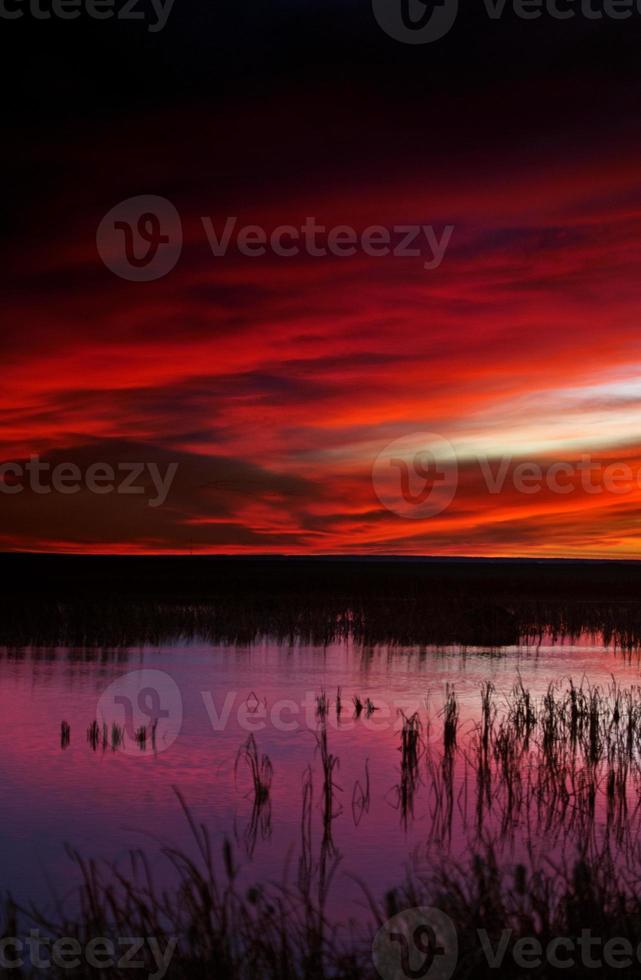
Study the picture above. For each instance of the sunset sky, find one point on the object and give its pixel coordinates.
(275, 383)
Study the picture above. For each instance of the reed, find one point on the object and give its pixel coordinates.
(451, 720)
(411, 744)
(564, 767)
(101, 608)
(65, 734)
(118, 736)
(370, 708)
(260, 769)
(93, 735)
(278, 931)
(322, 706)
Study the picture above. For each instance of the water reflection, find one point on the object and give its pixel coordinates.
(337, 761)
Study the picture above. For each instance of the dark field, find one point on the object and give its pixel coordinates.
(118, 601)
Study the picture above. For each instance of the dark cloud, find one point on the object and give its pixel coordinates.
(204, 497)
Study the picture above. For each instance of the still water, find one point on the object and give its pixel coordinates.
(104, 801)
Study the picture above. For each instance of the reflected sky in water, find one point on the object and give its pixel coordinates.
(106, 802)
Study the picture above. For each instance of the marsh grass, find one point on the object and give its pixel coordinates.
(283, 931)
(329, 766)
(260, 769)
(97, 608)
(451, 720)
(93, 735)
(65, 734)
(411, 749)
(117, 739)
(411, 743)
(261, 772)
(322, 706)
(370, 708)
(563, 770)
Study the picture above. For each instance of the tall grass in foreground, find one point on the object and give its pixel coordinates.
(281, 932)
(559, 775)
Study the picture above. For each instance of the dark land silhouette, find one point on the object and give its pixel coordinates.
(121, 601)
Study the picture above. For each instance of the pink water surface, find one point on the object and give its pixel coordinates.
(106, 802)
